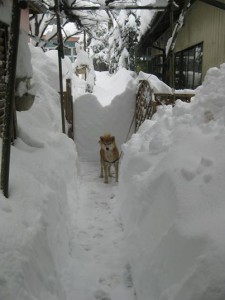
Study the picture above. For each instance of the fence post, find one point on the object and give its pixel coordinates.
(69, 105)
(60, 56)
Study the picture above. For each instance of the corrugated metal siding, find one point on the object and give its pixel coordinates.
(204, 23)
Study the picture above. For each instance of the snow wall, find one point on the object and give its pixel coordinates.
(92, 118)
(172, 193)
(35, 222)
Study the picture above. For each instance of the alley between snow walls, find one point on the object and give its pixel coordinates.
(104, 271)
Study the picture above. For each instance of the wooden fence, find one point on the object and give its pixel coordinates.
(68, 107)
(147, 101)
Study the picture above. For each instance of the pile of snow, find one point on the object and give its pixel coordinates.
(36, 222)
(159, 86)
(110, 109)
(172, 193)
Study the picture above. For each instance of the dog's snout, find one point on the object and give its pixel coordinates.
(107, 148)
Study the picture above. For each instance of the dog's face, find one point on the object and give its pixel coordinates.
(107, 142)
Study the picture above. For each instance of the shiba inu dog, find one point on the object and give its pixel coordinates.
(109, 155)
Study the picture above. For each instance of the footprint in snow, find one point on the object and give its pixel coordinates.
(101, 295)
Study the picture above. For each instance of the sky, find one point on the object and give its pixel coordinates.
(158, 234)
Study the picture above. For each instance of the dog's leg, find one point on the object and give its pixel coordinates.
(117, 170)
(109, 170)
(106, 173)
(101, 174)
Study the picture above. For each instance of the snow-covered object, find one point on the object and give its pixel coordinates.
(156, 84)
(159, 86)
(172, 40)
(172, 193)
(84, 64)
(24, 67)
(123, 60)
(82, 57)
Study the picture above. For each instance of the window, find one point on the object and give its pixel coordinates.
(188, 67)
(67, 51)
(157, 66)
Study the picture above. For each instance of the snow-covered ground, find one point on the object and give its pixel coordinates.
(157, 235)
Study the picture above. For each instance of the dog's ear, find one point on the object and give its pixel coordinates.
(101, 139)
(113, 138)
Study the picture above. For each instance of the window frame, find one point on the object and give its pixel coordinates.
(186, 65)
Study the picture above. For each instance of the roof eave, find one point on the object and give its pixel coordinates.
(36, 7)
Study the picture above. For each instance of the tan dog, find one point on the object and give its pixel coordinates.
(109, 155)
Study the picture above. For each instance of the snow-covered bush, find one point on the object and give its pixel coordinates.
(84, 65)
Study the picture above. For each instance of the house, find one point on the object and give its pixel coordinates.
(196, 28)
(69, 46)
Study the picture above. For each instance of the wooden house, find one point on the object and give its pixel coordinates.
(197, 30)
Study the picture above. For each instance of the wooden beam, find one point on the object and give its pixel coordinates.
(119, 7)
(215, 3)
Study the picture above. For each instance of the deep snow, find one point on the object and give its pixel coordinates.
(157, 235)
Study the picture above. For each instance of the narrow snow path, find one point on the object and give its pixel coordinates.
(105, 272)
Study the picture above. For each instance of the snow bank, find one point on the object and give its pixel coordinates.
(172, 192)
(109, 109)
(36, 221)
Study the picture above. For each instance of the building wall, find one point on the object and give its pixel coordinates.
(204, 23)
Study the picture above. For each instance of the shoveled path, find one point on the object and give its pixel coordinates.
(100, 235)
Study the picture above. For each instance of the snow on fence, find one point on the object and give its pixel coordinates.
(68, 107)
(149, 97)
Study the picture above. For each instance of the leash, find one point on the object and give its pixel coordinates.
(132, 121)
